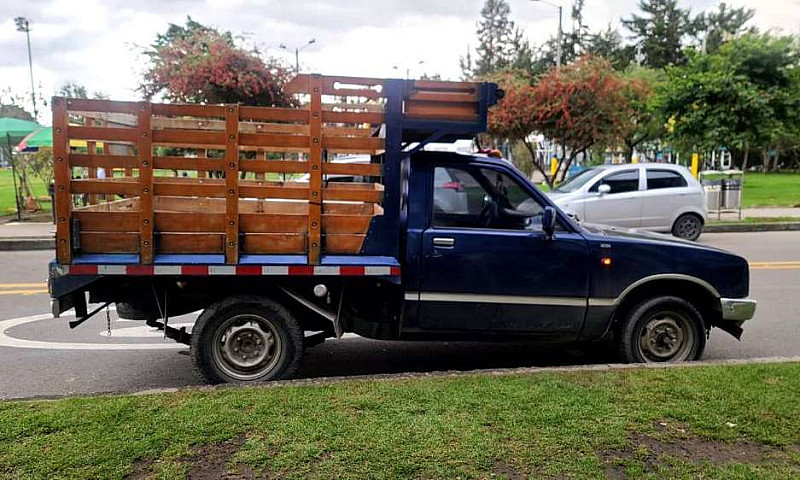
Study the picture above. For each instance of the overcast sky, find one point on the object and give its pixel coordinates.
(97, 42)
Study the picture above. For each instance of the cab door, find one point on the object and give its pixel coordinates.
(486, 263)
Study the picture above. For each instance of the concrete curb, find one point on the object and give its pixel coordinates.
(498, 372)
(27, 243)
(752, 227)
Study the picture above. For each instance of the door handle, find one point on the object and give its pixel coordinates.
(444, 242)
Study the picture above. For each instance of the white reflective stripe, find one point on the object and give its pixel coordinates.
(326, 270)
(377, 270)
(222, 270)
(412, 296)
(275, 270)
(112, 269)
(167, 270)
(508, 299)
(602, 302)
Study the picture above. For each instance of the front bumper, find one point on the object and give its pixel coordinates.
(738, 309)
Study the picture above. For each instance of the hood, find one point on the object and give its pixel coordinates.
(632, 233)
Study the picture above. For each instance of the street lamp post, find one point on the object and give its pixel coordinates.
(560, 30)
(24, 26)
(297, 53)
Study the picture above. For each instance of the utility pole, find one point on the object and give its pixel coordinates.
(24, 26)
(297, 53)
(560, 30)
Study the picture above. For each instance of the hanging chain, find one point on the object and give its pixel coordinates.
(108, 321)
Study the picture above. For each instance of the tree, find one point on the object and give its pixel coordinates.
(196, 63)
(645, 123)
(609, 44)
(578, 106)
(721, 25)
(76, 90)
(660, 31)
(501, 44)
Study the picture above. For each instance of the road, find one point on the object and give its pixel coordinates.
(86, 360)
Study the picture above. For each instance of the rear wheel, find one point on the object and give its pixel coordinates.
(662, 330)
(688, 227)
(246, 339)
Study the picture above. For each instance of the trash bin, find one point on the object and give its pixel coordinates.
(731, 193)
(713, 190)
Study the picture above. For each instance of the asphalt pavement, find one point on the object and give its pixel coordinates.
(41, 356)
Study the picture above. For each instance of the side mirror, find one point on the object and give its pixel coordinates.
(549, 221)
(604, 189)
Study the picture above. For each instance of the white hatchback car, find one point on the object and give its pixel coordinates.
(649, 196)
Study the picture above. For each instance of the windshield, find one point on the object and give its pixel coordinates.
(578, 181)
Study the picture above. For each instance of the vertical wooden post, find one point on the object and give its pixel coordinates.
(202, 153)
(232, 184)
(91, 149)
(260, 156)
(315, 170)
(62, 175)
(145, 149)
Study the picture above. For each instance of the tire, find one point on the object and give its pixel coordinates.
(661, 330)
(688, 227)
(229, 331)
(128, 311)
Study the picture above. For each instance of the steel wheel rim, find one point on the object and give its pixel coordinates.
(687, 228)
(666, 337)
(246, 347)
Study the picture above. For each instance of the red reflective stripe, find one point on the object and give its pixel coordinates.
(83, 269)
(301, 270)
(194, 270)
(395, 270)
(139, 270)
(351, 270)
(248, 270)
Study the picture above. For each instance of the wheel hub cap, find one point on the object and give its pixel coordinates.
(664, 338)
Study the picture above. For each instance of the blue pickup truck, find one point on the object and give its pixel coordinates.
(464, 248)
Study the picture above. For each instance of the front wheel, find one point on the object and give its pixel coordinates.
(246, 339)
(688, 227)
(662, 330)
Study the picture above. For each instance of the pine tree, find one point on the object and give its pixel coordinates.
(501, 44)
(716, 27)
(660, 31)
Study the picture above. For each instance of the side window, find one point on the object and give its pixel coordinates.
(482, 198)
(620, 182)
(664, 179)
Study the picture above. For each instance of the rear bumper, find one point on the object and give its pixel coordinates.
(738, 309)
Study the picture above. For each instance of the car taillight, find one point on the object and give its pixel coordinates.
(457, 186)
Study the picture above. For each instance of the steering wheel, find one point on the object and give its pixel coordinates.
(488, 212)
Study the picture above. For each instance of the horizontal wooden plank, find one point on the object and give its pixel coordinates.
(365, 169)
(194, 137)
(353, 143)
(343, 244)
(329, 116)
(288, 191)
(106, 185)
(190, 222)
(273, 140)
(345, 224)
(97, 221)
(124, 205)
(441, 110)
(275, 166)
(105, 161)
(453, 97)
(188, 110)
(347, 131)
(86, 104)
(102, 133)
(352, 194)
(438, 85)
(273, 223)
(109, 242)
(190, 242)
(274, 243)
(163, 187)
(188, 163)
(274, 114)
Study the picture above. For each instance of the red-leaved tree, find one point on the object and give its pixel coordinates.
(579, 106)
(196, 63)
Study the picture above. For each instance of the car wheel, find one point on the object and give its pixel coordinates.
(246, 339)
(662, 330)
(688, 227)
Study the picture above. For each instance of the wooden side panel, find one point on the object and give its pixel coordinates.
(191, 242)
(99, 221)
(62, 174)
(315, 171)
(176, 222)
(344, 244)
(274, 243)
(109, 242)
(232, 184)
(273, 223)
(145, 153)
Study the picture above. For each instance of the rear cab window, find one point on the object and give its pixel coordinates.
(658, 178)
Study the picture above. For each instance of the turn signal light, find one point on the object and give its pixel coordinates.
(606, 261)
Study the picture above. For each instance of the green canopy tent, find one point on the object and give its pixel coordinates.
(12, 131)
(42, 138)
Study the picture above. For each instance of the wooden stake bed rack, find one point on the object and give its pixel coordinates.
(217, 179)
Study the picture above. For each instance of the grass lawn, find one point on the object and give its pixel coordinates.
(762, 189)
(726, 422)
(7, 204)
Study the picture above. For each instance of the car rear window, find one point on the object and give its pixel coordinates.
(664, 179)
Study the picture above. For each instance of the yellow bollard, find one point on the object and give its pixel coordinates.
(553, 166)
(634, 159)
(695, 164)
